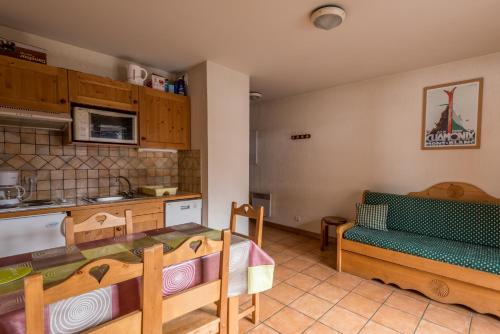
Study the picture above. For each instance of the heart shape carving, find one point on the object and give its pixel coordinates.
(98, 272)
(246, 208)
(101, 219)
(195, 245)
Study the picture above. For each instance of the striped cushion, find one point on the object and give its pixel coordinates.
(372, 216)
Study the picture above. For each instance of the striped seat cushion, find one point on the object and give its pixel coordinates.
(463, 254)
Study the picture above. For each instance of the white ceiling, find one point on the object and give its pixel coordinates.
(271, 40)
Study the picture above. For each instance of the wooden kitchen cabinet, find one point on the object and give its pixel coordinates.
(145, 216)
(98, 91)
(148, 222)
(164, 120)
(28, 85)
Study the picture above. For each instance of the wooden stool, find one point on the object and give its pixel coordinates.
(325, 222)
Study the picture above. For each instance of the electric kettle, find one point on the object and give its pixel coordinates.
(136, 74)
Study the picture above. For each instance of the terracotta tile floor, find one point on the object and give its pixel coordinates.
(310, 297)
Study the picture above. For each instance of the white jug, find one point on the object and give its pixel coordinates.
(136, 74)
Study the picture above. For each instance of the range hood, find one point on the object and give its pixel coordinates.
(34, 119)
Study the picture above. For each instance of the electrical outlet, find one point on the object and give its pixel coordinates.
(297, 219)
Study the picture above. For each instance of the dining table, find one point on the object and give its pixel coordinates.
(250, 271)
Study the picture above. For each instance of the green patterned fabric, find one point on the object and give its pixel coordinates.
(372, 216)
(473, 223)
(468, 255)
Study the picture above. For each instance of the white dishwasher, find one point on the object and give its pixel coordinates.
(182, 212)
(31, 233)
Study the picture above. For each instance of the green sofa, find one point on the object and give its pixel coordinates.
(462, 233)
(443, 242)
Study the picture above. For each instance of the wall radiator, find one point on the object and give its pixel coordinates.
(262, 199)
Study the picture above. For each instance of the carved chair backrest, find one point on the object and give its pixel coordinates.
(97, 221)
(246, 210)
(204, 294)
(100, 274)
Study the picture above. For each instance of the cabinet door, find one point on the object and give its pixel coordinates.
(102, 92)
(148, 222)
(164, 120)
(28, 85)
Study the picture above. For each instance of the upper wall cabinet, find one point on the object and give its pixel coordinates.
(28, 85)
(102, 92)
(164, 120)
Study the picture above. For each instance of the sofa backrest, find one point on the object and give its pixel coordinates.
(476, 223)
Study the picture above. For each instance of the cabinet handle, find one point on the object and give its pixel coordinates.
(143, 138)
(62, 101)
(135, 101)
(118, 228)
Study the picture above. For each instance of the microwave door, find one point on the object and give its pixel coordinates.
(113, 127)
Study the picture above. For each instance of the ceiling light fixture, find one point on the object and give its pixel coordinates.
(328, 17)
(255, 96)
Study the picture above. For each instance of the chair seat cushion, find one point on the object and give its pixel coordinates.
(467, 255)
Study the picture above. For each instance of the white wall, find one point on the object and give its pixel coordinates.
(228, 143)
(75, 58)
(366, 135)
(199, 110)
(220, 125)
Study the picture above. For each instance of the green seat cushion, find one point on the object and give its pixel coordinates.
(467, 255)
(474, 223)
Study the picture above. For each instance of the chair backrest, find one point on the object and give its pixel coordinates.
(100, 274)
(97, 221)
(246, 210)
(204, 294)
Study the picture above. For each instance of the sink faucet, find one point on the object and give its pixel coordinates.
(129, 192)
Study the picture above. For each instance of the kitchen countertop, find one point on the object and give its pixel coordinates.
(57, 204)
(81, 204)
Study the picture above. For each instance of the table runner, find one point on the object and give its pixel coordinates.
(250, 271)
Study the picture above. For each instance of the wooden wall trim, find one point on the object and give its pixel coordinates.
(296, 231)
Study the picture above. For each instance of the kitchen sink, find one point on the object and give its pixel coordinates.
(106, 199)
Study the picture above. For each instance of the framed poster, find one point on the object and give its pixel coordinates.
(452, 115)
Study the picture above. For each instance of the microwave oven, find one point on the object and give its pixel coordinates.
(94, 125)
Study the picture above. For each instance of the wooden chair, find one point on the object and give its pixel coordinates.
(97, 221)
(94, 276)
(186, 311)
(248, 211)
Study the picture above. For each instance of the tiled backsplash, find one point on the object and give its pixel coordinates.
(189, 171)
(68, 171)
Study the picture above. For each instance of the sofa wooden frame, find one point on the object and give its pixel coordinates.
(443, 282)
